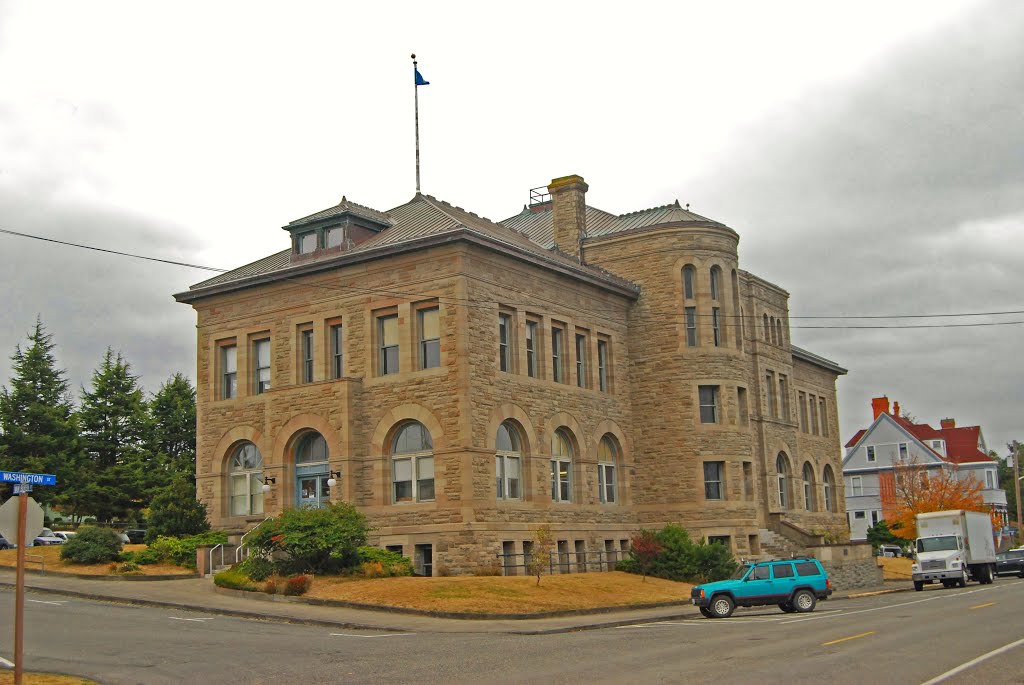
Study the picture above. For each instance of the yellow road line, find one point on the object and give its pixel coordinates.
(844, 639)
(982, 606)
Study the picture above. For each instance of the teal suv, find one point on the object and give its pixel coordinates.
(793, 584)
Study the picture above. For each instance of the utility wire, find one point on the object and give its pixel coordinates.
(488, 304)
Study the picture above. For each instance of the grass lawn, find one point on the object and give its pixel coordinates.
(51, 555)
(7, 677)
(503, 595)
(895, 568)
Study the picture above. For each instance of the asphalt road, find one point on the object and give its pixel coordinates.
(909, 637)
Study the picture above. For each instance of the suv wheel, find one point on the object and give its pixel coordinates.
(787, 607)
(706, 612)
(721, 606)
(804, 601)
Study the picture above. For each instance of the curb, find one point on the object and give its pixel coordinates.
(112, 576)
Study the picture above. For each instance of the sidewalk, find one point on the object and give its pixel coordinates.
(200, 595)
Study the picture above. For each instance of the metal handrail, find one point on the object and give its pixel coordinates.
(40, 559)
(564, 561)
(239, 555)
(214, 549)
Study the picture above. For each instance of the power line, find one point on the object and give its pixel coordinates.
(488, 304)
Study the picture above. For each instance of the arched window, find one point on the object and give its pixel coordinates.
(312, 472)
(246, 480)
(312, 448)
(561, 467)
(412, 464)
(808, 487)
(767, 333)
(716, 282)
(778, 331)
(828, 481)
(783, 470)
(772, 331)
(508, 462)
(689, 275)
(607, 459)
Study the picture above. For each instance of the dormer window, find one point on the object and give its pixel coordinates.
(306, 243)
(334, 236)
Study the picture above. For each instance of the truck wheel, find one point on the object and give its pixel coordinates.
(804, 600)
(722, 606)
(706, 612)
(987, 576)
(918, 585)
(787, 607)
(963, 579)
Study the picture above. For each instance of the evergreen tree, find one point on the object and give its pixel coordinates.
(38, 433)
(176, 512)
(117, 434)
(173, 410)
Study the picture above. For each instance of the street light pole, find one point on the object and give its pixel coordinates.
(1016, 486)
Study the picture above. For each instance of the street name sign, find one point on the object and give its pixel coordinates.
(27, 478)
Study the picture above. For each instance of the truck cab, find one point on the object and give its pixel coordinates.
(952, 548)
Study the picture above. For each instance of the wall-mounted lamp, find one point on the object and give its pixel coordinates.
(267, 482)
(333, 480)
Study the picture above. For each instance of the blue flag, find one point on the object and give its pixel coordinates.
(420, 81)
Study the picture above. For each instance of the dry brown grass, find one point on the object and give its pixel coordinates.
(7, 677)
(503, 595)
(51, 556)
(895, 568)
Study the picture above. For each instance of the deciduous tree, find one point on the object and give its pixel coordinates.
(919, 490)
(645, 547)
(538, 559)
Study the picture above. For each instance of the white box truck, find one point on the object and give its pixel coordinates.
(954, 547)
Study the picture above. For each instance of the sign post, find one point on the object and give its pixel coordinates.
(24, 481)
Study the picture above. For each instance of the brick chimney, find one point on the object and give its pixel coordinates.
(896, 409)
(947, 423)
(879, 406)
(569, 213)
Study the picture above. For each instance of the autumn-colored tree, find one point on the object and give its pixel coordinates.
(918, 491)
(541, 552)
(645, 547)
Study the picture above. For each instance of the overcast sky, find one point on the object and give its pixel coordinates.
(870, 156)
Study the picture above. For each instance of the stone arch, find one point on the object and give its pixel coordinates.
(576, 434)
(288, 436)
(391, 421)
(607, 427)
(765, 330)
(783, 467)
(807, 487)
(516, 414)
(221, 461)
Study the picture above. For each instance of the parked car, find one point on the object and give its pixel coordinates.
(793, 584)
(136, 536)
(65, 535)
(6, 545)
(125, 540)
(46, 537)
(890, 551)
(1010, 563)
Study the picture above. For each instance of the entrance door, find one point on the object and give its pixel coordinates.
(311, 489)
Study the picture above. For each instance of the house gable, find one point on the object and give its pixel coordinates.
(885, 435)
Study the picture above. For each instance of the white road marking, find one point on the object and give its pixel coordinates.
(200, 620)
(888, 606)
(41, 601)
(973, 662)
(5, 663)
(352, 635)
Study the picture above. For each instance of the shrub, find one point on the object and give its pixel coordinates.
(234, 580)
(92, 546)
(129, 567)
(682, 559)
(180, 551)
(298, 585)
(324, 540)
(271, 587)
(372, 569)
(144, 556)
(491, 569)
(392, 563)
(175, 512)
(257, 567)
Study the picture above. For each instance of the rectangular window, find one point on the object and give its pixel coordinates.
(708, 396)
(306, 343)
(807, 568)
(261, 355)
(713, 472)
(387, 336)
(989, 480)
(306, 242)
(606, 483)
(430, 338)
(507, 471)
(602, 365)
(741, 405)
(228, 372)
(691, 326)
(557, 355)
(581, 360)
(531, 349)
(424, 479)
(875, 516)
(716, 323)
(801, 398)
(784, 396)
(782, 571)
(904, 451)
(823, 416)
(769, 382)
(856, 485)
(748, 480)
(404, 487)
(859, 515)
(871, 452)
(814, 414)
(334, 236)
(337, 358)
(561, 480)
(504, 342)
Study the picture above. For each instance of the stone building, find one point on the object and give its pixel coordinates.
(463, 382)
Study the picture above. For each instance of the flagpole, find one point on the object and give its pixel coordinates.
(416, 99)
